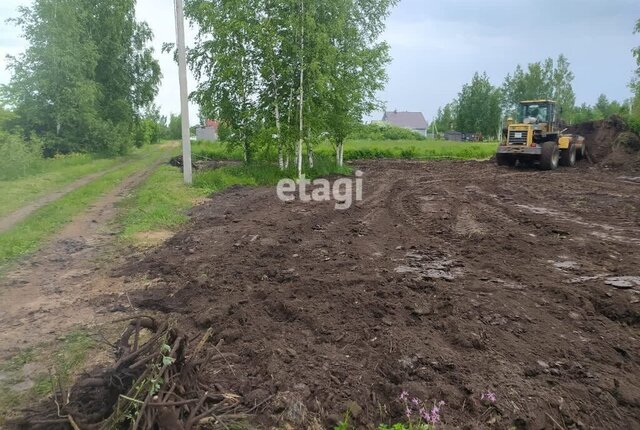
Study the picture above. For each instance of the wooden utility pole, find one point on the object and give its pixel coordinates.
(184, 94)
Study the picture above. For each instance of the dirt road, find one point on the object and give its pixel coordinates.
(10, 220)
(449, 280)
(52, 291)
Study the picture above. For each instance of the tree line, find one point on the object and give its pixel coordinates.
(481, 107)
(283, 75)
(87, 81)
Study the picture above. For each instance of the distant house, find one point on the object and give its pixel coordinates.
(410, 120)
(208, 132)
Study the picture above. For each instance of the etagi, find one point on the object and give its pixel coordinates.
(344, 190)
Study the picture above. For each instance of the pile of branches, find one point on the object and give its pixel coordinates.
(155, 383)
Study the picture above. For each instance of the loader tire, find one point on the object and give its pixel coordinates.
(506, 160)
(550, 157)
(569, 156)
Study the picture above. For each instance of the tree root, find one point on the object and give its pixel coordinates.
(153, 384)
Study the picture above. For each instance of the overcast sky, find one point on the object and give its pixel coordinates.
(437, 45)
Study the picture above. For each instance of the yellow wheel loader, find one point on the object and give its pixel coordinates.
(535, 136)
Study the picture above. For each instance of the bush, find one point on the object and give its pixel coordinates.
(17, 157)
(384, 132)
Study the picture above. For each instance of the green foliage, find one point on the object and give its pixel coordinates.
(85, 76)
(635, 83)
(414, 149)
(275, 72)
(541, 80)
(346, 425)
(401, 426)
(445, 119)
(634, 124)
(260, 174)
(478, 107)
(17, 157)
(174, 130)
(475, 110)
(381, 131)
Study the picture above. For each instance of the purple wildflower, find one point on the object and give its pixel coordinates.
(489, 396)
(435, 415)
(425, 415)
(415, 402)
(408, 413)
(404, 395)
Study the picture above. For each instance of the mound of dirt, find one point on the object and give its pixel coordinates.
(202, 163)
(449, 280)
(610, 143)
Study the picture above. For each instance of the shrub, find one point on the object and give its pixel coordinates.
(17, 157)
(384, 132)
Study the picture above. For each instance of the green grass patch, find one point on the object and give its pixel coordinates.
(28, 235)
(62, 359)
(54, 174)
(160, 203)
(414, 149)
(214, 151)
(373, 149)
(261, 174)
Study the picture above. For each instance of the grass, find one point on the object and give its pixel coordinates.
(53, 174)
(261, 174)
(158, 204)
(418, 149)
(28, 235)
(62, 358)
(370, 149)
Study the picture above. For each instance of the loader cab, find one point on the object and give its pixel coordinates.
(540, 113)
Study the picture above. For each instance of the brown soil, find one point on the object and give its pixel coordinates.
(610, 143)
(448, 280)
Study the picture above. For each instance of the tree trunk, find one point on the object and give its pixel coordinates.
(340, 153)
(247, 154)
(301, 140)
(310, 155)
(277, 115)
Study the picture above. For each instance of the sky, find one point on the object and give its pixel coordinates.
(437, 46)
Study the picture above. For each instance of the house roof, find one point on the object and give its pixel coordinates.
(413, 120)
(211, 123)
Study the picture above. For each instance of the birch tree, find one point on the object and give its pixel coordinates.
(290, 70)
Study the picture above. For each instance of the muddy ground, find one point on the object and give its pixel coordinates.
(450, 279)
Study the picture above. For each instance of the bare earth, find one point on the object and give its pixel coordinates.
(448, 280)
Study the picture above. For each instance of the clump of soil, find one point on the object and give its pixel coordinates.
(610, 143)
(449, 280)
(202, 163)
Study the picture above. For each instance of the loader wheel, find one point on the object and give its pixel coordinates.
(583, 152)
(568, 157)
(506, 160)
(550, 157)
